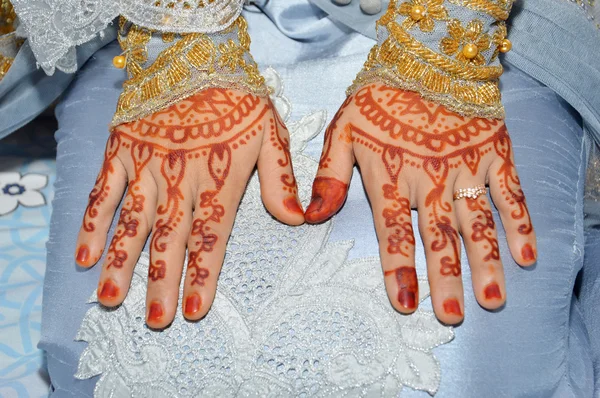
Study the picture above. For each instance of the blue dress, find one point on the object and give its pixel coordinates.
(302, 311)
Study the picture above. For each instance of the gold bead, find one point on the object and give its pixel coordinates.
(470, 51)
(119, 61)
(505, 46)
(417, 12)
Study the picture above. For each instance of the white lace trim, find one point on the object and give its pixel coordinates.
(292, 317)
(55, 27)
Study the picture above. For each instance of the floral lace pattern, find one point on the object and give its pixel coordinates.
(292, 317)
(55, 27)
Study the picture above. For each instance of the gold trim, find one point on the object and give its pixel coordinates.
(7, 17)
(466, 85)
(193, 63)
(5, 64)
(456, 68)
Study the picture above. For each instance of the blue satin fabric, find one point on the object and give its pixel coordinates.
(27, 91)
(537, 346)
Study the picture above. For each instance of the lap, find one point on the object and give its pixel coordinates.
(527, 348)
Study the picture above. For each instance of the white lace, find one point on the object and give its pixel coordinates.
(55, 27)
(292, 317)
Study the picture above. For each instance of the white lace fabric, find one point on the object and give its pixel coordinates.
(55, 27)
(292, 317)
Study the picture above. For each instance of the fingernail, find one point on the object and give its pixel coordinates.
(451, 306)
(83, 255)
(109, 290)
(492, 291)
(407, 299)
(408, 286)
(291, 203)
(528, 253)
(328, 196)
(192, 304)
(316, 202)
(156, 312)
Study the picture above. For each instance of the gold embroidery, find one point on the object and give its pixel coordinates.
(134, 44)
(5, 64)
(395, 66)
(426, 11)
(7, 17)
(498, 38)
(458, 69)
(194, 62)
(459, 38)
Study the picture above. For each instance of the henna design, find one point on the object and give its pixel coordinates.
(192, 304)
(131, 212)
(276, 125)
(528, 253)
(408, 286)
(156, 312)
(418, 134)
(451, 306)
(511, 185)
(492, 291)
(397, 218)
(206, 128)
(109, 290)
(83, 254)
(483, 228)
(101, 188)
(328, 196)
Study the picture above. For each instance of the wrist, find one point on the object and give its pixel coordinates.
(445, 50)
(164, 68)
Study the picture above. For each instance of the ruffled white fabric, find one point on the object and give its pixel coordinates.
(55, 27)
(292, 317)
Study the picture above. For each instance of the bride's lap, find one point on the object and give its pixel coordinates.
(535, 346)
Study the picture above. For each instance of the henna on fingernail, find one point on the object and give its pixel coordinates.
(109, 290)
(156, 312)
(492, 291)
(291, 203)
(451, 306)
(328, 196)
(83, 255)
(192, 304)
(528, 253)
(408, 286)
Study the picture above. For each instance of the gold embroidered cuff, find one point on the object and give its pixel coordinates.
(188, 63)
(422, 47)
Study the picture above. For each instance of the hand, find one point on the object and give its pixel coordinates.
(187, 167)
(413, 153)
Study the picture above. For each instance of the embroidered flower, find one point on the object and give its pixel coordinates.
(232, 55)
(15, 190)
(498, 39)
(467, 44)
(422, 13)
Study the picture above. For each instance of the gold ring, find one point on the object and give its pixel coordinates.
(471, 193)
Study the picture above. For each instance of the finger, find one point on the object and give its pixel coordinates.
(277, 182)
(505, 188)
(172, 223)
(215, 209)
(102, 204)
(439, 231)
(392, 215)
(128, 241)
(335, 170)
(478, 230)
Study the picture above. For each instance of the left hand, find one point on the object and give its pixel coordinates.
(414, 153)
